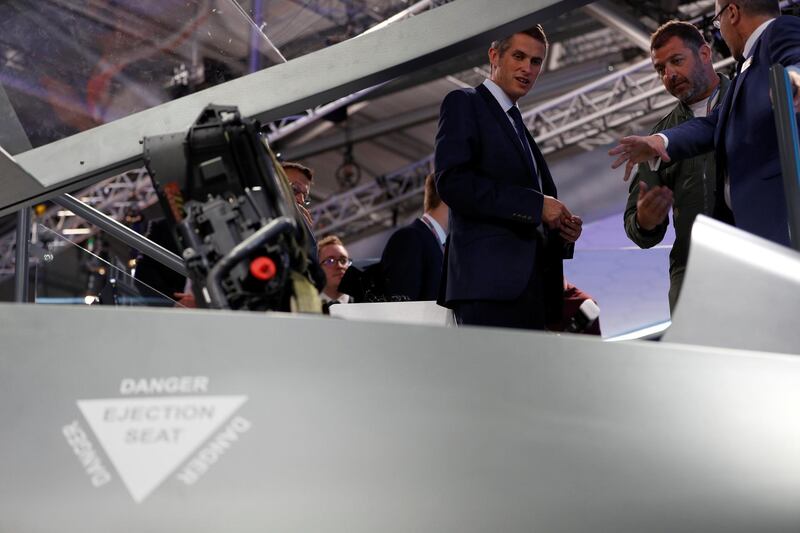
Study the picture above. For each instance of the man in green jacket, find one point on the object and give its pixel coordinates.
(682, 59)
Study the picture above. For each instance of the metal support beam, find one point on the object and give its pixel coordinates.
(123, 233)
(21, 279)
(332, 142)
(613, 18)
(282, 129)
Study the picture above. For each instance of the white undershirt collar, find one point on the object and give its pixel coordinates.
(753, 39)
(441, 234)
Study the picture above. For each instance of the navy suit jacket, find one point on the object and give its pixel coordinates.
(412, 263)
(482, 174)
(742, 132)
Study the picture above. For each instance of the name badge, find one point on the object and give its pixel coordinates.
(747, 63)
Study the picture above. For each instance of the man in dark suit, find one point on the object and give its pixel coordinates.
(412, 259)
(741, 130)
(507, 229)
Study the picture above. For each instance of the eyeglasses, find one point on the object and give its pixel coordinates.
(716, 21)
(342, 260)
(301, 194)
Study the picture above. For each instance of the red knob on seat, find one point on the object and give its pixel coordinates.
(263, 268)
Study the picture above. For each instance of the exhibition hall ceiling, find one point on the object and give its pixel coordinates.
(67, 66)
(71, 65)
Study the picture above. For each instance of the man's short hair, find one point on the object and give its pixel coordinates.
(329, 240)
(770, 8)
(432, 199)
(307, 172)
(537, 32)
(684, 31)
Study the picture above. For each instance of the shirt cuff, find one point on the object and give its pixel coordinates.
(654, 164)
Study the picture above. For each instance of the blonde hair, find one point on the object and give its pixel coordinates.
(328, 241)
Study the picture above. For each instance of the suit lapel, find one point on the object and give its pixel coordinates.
(722, 107)
(726, 107)
(740, 79)
(505, 124)
(723, 110)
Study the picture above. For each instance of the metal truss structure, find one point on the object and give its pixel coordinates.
(598, 107)
(373, 204)
(575, 50)
(697, 9)
(574, 118)
(583, 48)
(118, 197)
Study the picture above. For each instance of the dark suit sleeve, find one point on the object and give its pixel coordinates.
(693, 137)
(403, 265)
(784, 44)
(462, 184)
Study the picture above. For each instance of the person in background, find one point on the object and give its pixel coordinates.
(334, 260)
(682, 59)
(412, 259)
(300, 179)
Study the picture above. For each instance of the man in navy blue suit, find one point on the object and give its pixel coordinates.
(412, 259)
(741, 130)
(508, 231)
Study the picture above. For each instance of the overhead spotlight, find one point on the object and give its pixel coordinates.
(349, 173)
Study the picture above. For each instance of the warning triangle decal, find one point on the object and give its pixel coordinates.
(146, 439)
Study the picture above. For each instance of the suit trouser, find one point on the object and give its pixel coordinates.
(525, 312)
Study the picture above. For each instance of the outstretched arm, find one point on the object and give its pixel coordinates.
(635, 149)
